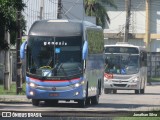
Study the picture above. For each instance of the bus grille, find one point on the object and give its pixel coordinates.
(120, 85)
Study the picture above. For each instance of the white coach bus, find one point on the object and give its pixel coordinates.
(125, 68)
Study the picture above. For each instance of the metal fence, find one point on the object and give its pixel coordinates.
(153, 64)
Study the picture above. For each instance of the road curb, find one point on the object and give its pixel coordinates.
(153, 83)
(14, 98)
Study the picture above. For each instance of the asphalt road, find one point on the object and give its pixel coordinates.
(122, 102)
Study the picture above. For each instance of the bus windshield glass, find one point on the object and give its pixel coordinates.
(121, 63)
(54, 56)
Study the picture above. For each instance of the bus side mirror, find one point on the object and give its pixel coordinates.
(22, 50)
(85, 50)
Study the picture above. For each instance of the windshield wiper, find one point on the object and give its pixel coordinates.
(61, 67)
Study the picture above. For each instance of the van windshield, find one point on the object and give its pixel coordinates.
(121, 63)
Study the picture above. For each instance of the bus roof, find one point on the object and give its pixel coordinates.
(59, 27)
(125, 44)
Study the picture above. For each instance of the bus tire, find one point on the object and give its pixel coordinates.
(82, 103)
(88, 101)
(142, 91)
(137, 91)
(114, 91)
(107, 91)
(95, 99)
(35, 102)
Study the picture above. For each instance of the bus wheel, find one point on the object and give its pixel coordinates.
(88, 101)
(114, 91)
(95, 99)
(35, 102)
(137, 91)
(107, 91)
(82, 103)
(142, 91)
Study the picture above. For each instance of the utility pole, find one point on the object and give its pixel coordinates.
(128, 10)
(147, 30)
(147, 35)
(42, 10)
(18, 62)
(59, 14)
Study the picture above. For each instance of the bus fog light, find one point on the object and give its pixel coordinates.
(76, 93)
(31, 93)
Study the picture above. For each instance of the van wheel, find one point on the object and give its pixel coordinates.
(142, 91)
(107, 91)
(35, 102)
(137, 92)
(114, 91)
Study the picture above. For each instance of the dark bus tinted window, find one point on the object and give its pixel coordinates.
(121, 50)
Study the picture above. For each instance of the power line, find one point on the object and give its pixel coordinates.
(71, 7)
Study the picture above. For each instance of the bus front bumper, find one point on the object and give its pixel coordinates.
(73, 94)
(121, 85)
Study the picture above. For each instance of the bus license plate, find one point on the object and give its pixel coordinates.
(53, 94)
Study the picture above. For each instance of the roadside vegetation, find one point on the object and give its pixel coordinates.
(154, 79)
(12, 90)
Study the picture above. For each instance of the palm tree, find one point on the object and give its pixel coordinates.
(96, 8)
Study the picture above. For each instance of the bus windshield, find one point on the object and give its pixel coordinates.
(121, 63)
(54, 56)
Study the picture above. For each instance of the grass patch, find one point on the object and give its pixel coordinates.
(12, 90)
(154, 79)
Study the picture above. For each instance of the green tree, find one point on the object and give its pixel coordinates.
(96, 8)
(8, 13)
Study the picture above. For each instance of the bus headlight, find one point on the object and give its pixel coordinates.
(33, 85)
(135, 79)
(79, 84)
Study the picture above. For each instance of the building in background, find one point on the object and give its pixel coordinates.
(144, 28)
(74, 9)
(47, 9)
(39, 9)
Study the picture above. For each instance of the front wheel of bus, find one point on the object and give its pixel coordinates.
(82, 103)
(137, 91)
(95, 99)
(35, 102)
